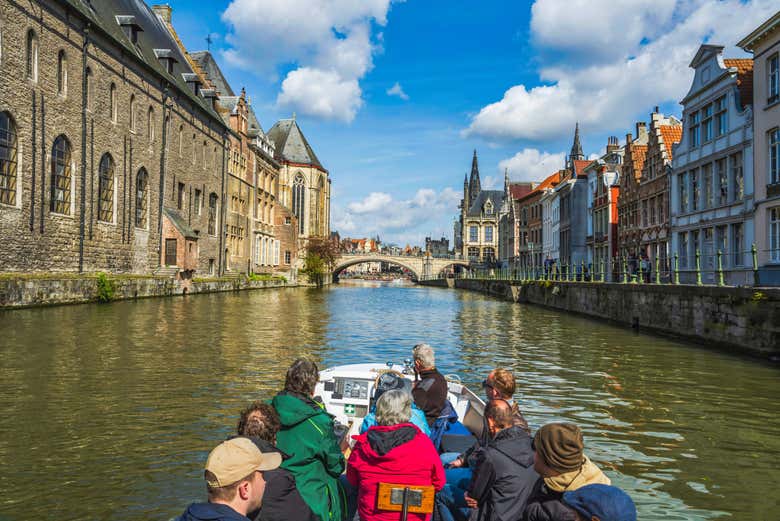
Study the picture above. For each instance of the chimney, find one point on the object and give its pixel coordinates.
(612, 144)
(641, 129)
(629, 138)
(163, 11)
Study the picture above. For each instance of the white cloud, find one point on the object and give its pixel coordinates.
(396, 90)
(399, 220)
(649, 67)
(330, 41)
(320, 93)
(532, 165)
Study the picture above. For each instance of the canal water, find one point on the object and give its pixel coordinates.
(109, 411)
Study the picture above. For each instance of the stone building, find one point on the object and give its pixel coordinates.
(95, 173)
(570, 207)
(509, 222)
(529, 237)
(653, 203)
(437, 248)
(304, 184)
(479, 215)
(634, 154)
(764, 43)
(603, 193)
(712, 180)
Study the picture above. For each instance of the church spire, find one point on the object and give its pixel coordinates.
(576, 148)
(475, 187)
(506, 181)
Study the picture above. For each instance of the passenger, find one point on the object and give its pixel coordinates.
(430, 391)
(504, 474)
(282, 499)
(234, 480)
(563, 467)
(393, 451)
(602, 502)
(307, 435)
(391, 382)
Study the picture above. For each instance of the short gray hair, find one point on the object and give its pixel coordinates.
(424, 353)
(393, 407)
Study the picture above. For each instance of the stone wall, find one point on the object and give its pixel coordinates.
(29, 291)
(743, 320)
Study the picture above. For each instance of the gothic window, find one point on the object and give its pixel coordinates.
(212, 214)
(473, 233)
(488, 234)
(106, 189)
(150, 124)
(112, 102)
(60, 176)
(62, 74)
(194, 149)
(132, 113)
(8, 151)
(320, 206)
(141, 198)
(489, 254)
(181, 140)
(32, 56)
(299, 201)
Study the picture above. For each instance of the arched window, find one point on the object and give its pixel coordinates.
(321, 207)
(60, 176)
(205, 153)
(212, 214)
(141, 198)
(132, 112)
(194, 149)
(32, 55)
(181, 140)
(299, 201)
(150, 124)
(62, 74)
(106, 189)
(112, 102)
(8, 151)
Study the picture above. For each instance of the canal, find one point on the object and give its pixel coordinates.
(108, 411)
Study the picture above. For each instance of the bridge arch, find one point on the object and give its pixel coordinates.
(346, 262)
(440, 267)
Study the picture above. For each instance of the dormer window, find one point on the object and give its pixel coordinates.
(166, 58)
(129, 26)
(193, 82)
(488, 208)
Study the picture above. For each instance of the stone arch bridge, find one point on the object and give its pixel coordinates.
(421, 267)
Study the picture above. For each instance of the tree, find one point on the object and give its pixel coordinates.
(321, 255)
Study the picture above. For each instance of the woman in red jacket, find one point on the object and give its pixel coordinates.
(393, 451)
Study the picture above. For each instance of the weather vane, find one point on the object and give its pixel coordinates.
(209, 41)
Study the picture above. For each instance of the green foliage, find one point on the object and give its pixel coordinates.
(314, 267)
(256, 277)
(106, 289)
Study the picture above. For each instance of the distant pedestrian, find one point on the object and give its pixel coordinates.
(235, 481)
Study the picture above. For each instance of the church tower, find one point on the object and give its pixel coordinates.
(474, 184)
(576, 148)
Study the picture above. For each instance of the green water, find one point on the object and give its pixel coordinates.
(110, 410)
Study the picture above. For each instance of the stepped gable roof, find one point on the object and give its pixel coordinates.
(153, 34)
(518, 190)
(671, 134)
(495, 196)
(180, 224)
(744, 78)
(291, 144)
(638, 155)
(209, 66)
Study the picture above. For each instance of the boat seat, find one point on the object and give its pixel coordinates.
(399, 497)
(458, 443)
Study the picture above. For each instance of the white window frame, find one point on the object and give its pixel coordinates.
(774, 234)
(773, 78)
(773, 168)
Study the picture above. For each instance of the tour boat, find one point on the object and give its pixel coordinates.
(346, 392)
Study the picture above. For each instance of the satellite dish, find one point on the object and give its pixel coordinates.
(611, 178)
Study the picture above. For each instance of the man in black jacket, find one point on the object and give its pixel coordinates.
(504, 475)
(430, 391)
(281, 501)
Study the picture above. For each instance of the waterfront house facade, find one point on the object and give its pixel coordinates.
(712, 180)
(479, 216)
(764, 43)
(634, 154)
(601, 240)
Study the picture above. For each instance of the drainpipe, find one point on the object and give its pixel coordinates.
(165, 97)
(83, 202)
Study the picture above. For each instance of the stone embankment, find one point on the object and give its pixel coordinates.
(743, 320)
(38, 290)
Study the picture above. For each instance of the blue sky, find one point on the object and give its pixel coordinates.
(507, 78)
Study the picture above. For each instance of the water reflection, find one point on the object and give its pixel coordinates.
(111, 410)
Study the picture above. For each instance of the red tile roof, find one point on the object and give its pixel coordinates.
(744, 78)
(519, 190)
(638, 155)
(580, 165)
(671, 134)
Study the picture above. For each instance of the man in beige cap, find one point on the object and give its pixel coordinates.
(234, 480)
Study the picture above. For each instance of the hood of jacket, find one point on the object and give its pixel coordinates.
(295, 408)
(514, 443)
(589, 474)
(382, 444)
(211, 512)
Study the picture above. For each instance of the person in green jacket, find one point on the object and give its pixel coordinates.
(307, 436)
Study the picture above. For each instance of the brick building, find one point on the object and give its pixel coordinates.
(602, 216)
(90, 94)
(634, 153)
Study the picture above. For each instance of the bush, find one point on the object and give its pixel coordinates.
(106, 288)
